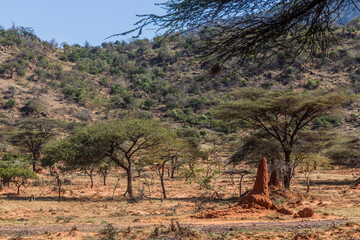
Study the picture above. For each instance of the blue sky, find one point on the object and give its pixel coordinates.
(77, 21)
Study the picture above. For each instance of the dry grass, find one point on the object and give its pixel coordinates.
(331, 197)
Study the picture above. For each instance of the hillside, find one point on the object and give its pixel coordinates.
(157, 78)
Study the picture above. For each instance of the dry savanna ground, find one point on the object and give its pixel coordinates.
(84, 212)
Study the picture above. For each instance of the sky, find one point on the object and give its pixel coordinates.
(77, 21)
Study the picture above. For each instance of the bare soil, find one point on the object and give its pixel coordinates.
(83, 211)
(209, 227)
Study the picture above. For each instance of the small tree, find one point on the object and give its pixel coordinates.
(21, 176)
(133, 138)
(123, 142)
(309, 165)
(17, 173)
(242, 173)
(33, 136)
(104, 169)
(173, 150)
(57, 157)
(281, 115)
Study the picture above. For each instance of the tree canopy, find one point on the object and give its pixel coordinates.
(281, 115)
(124, 141)
(250, 27)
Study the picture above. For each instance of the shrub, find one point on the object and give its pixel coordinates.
(9, 104)
(19, 175)
(290, 70)
(311, 84)
(267, 85)
(33, 107)
(196, 103)
(108, 233)
(327, 122)
(148, 103)
(171, 101)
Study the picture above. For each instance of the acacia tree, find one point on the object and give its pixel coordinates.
(281, 115)
(170, 152)
(77, 151)
(123, 141)
(243, 27)
(21, 176)
(131, 139)
(104, 169)
(33, 136)
(16, 172)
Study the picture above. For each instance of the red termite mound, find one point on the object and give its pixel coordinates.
(259, 196)
(274, 182)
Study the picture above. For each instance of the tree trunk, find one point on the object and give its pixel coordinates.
(162, 179)
(308, 184)
(59, 187)
(240, 183)
(35, 159)
(34, 165)
(172, 172)
(129, 189)
(18, 189)
(104, 177)
(287, 171)
(104, 172)
(91, 179)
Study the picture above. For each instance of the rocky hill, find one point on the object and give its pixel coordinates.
(155, 78)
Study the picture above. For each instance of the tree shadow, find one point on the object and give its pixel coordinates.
(332, 182)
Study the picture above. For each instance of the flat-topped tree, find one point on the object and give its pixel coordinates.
(281, 115)
(33, 135)
(132, 139)
(123, 141)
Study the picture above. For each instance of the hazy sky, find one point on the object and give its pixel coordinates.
(77, 21)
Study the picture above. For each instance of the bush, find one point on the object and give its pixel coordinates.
(108, 233)
(311, 85)
(327, 122)
(353, 25)
(9, 104)
(171, 101)
(196, 103)
(290, 70)
(19, 175)
(33, 107)
(148, 103)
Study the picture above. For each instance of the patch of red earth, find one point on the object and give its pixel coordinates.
(305, 213)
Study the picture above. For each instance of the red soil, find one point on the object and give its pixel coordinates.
(305, 213)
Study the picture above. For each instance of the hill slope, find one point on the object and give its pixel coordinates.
(158, 78)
